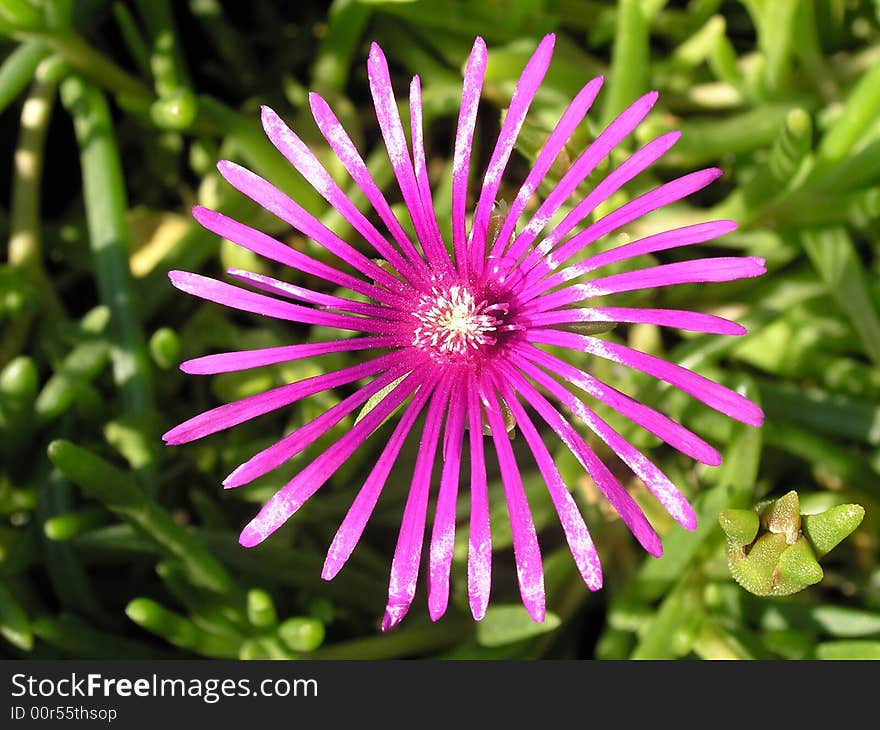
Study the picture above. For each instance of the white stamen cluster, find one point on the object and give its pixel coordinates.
(453, 323)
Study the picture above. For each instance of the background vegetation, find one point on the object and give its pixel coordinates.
(112, 545)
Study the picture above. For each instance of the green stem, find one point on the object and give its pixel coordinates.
(18, 68)
(105, 203)
(25, 249)
(96, 66)
(137, 47)
(24, 223)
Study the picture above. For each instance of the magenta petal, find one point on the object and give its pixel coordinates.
(292, 291)
(464, 137)
(615, 180)
(561, 133)
(443, 534)
(231, 414)
(523, 95)
(480, 538)
(274, 250)
(300, 439)
(439, 257)
(279, 204)
(287, 500)
(719, 269)
(625, 123)
(246, 301)
(712, 394)
(359, 513)
(685, 236)
(408, 552)
(228, 362)
(527, 554)
(391, 127)
(684, 320)
(644, 204)
(653, 421)
(607, 483)
(655, 480)
(305, 162)
(576, 533)
(351, 159)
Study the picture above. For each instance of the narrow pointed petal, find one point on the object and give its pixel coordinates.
(351, 159)
(622, 126)
(696, 271)
(712, 394)
(443, 533)
(685, 236)
(395, 143)
(576, 533)
(620, 500)
(680, 319)
(280, 205)
(472, 87)
(247, 301)
(304, 161)
(523, 95)
(480, 538)
(644, 204)
(274, 250)
(301, 438)
(626, 171)
(655, 480)
(352, 527)
(320, 299)
(663, 427)
(293, 495)
(529, 569)
(440, 257)
(408, 552)
(228, 362)
(231, 414)
(561, 133)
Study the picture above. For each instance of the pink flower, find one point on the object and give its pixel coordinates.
(460, 334)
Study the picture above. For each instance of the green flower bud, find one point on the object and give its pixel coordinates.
(826, 530)
(175, 112)
(261, 609)
(302, 634)
(165, 348)
(740, 525)
(774, 551)
(783, 517)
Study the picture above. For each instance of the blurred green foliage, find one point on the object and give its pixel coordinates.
(112, 546)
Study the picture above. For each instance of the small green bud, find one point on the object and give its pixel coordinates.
(796, 569)
(826, 530)
(260, 609)
(175, 112)
(740, 525)
(755, 570)
(302, 634)
(783, 517)
(774, 551)
(165, 348)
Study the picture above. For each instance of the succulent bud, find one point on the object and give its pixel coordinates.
(773, 550)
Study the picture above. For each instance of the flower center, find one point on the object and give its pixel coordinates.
(453, 324)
